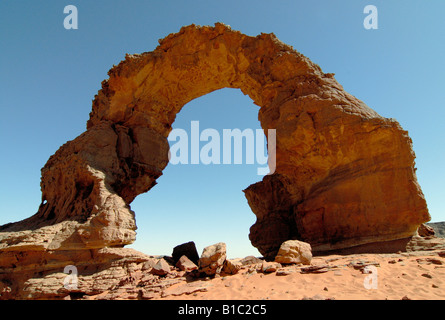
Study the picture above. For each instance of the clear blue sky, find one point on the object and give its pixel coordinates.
(49, 76)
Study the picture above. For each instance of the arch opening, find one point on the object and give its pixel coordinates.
(203, 202)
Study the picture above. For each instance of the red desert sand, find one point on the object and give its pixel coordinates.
(418, 275)
(399, 276)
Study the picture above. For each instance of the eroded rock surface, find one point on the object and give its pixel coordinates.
(212, 259)
(344, 175)
(294, 251)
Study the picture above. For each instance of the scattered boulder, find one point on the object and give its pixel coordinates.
(212, 259)
(185, 264)
(392, 261)
(232, 266)
(425, 231)
(269, 267)
(294, 251)
(187, 249)
(149, 264)
(161, 268)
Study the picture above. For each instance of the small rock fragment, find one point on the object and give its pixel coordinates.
(161, 268)
(187, 249)
(315, 269)
(269, 267)
(185, 264)
(284, 272)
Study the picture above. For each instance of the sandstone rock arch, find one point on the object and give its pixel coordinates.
(344, 175)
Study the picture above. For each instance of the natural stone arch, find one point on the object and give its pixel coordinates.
(344, 175)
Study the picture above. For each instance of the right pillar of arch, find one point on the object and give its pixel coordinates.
(344, 180)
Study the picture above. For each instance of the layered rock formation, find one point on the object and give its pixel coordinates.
(344, 175)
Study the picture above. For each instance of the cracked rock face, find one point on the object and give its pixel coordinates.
(344, 175)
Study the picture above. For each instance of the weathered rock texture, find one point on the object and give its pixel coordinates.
(294, 251)
(212, 259)
(425, 230)
(232, 266)
(161, 268)
(439, 228)
(344, 175)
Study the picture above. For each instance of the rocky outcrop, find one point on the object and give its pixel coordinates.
(40, 274)
(343, 177)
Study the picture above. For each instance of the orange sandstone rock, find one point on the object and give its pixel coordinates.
(344, 175)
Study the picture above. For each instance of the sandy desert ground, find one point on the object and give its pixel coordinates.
(413, 275)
